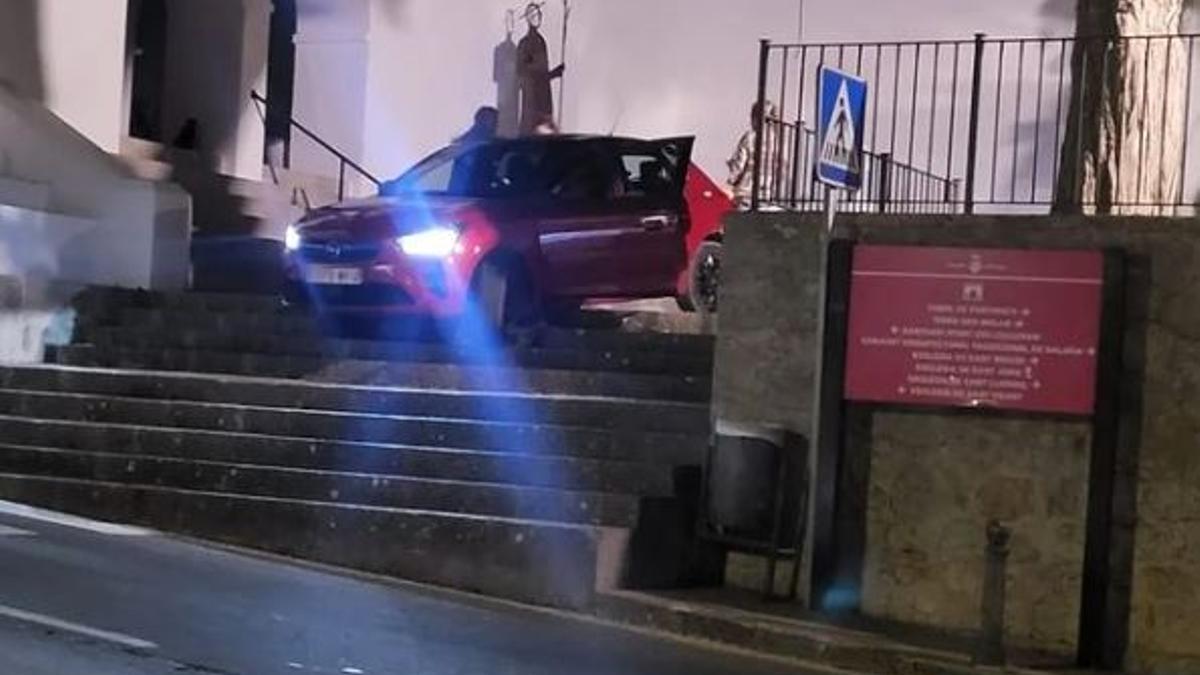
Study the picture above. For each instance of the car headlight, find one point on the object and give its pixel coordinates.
(291, 238)
(435, 242)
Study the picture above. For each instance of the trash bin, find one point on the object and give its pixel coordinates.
(746, 467)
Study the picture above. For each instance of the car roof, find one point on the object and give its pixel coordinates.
(563, 138)
(457, 149)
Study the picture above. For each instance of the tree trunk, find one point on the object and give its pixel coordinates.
(1123, 147)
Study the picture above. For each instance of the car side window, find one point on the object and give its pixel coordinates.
(583, 173)
(512, 171)
(646, 175)
(451, 176)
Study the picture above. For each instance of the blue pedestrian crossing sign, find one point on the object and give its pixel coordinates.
(841, 115)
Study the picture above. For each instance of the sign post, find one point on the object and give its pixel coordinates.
(841, 119)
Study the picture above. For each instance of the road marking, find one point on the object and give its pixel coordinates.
(42, 515)
(6, 531)
(120, 639)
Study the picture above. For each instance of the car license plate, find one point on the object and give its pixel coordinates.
(335, 276)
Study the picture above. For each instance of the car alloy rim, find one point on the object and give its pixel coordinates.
(708, 280)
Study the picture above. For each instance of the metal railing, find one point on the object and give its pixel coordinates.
(1020, 125)
(888, 185)
(344, 162)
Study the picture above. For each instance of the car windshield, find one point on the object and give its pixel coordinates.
(488, 170)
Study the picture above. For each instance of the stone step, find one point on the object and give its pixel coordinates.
(264, 318)
(557, 564)
(778, 630)
(680, 388)
(601, 413)
(535, 439)
(233, 255)
(111, 301)
(384, 460)
(484, 499)
(131, 336)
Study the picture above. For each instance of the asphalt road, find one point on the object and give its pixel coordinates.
(26, 649)
(76, 601)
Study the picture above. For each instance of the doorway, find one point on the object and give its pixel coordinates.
(281, 82)
(148, 28)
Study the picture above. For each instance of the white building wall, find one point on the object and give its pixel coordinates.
(80, 72)
(331, 81)
(666, 67)
(636, 67)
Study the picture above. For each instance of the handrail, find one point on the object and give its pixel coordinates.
(888, 181)
(343, 160)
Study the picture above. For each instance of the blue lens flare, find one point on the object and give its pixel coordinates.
(503, 420)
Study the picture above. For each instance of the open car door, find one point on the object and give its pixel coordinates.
(649, 199)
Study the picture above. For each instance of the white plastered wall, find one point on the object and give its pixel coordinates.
(635, 67)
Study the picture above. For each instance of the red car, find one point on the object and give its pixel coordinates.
(517, 226)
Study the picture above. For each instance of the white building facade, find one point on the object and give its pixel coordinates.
(387, 81)
(383, 81)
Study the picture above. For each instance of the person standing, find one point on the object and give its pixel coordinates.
(534, 74)
(741, 165)
(484, 128)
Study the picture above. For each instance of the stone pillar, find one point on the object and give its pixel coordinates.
(216, 54)
(331, 82)
(246, 152)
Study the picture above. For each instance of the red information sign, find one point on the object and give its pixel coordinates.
(992, 328)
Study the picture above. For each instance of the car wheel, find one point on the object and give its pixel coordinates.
(705, 282)
(504, 297)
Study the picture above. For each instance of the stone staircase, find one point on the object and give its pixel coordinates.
(543, 473)
(225, 205)
(239, 223)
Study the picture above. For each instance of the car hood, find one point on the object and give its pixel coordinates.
(384, 216)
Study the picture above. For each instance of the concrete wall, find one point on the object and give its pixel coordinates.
(766, 346)
(68, 213)
(933, 484)
(928, 481)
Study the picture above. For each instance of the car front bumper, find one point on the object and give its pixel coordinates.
(391, 283)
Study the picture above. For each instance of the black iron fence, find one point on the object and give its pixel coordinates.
(888, 185)
(994, 125)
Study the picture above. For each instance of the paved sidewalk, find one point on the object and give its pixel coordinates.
(742, 620)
